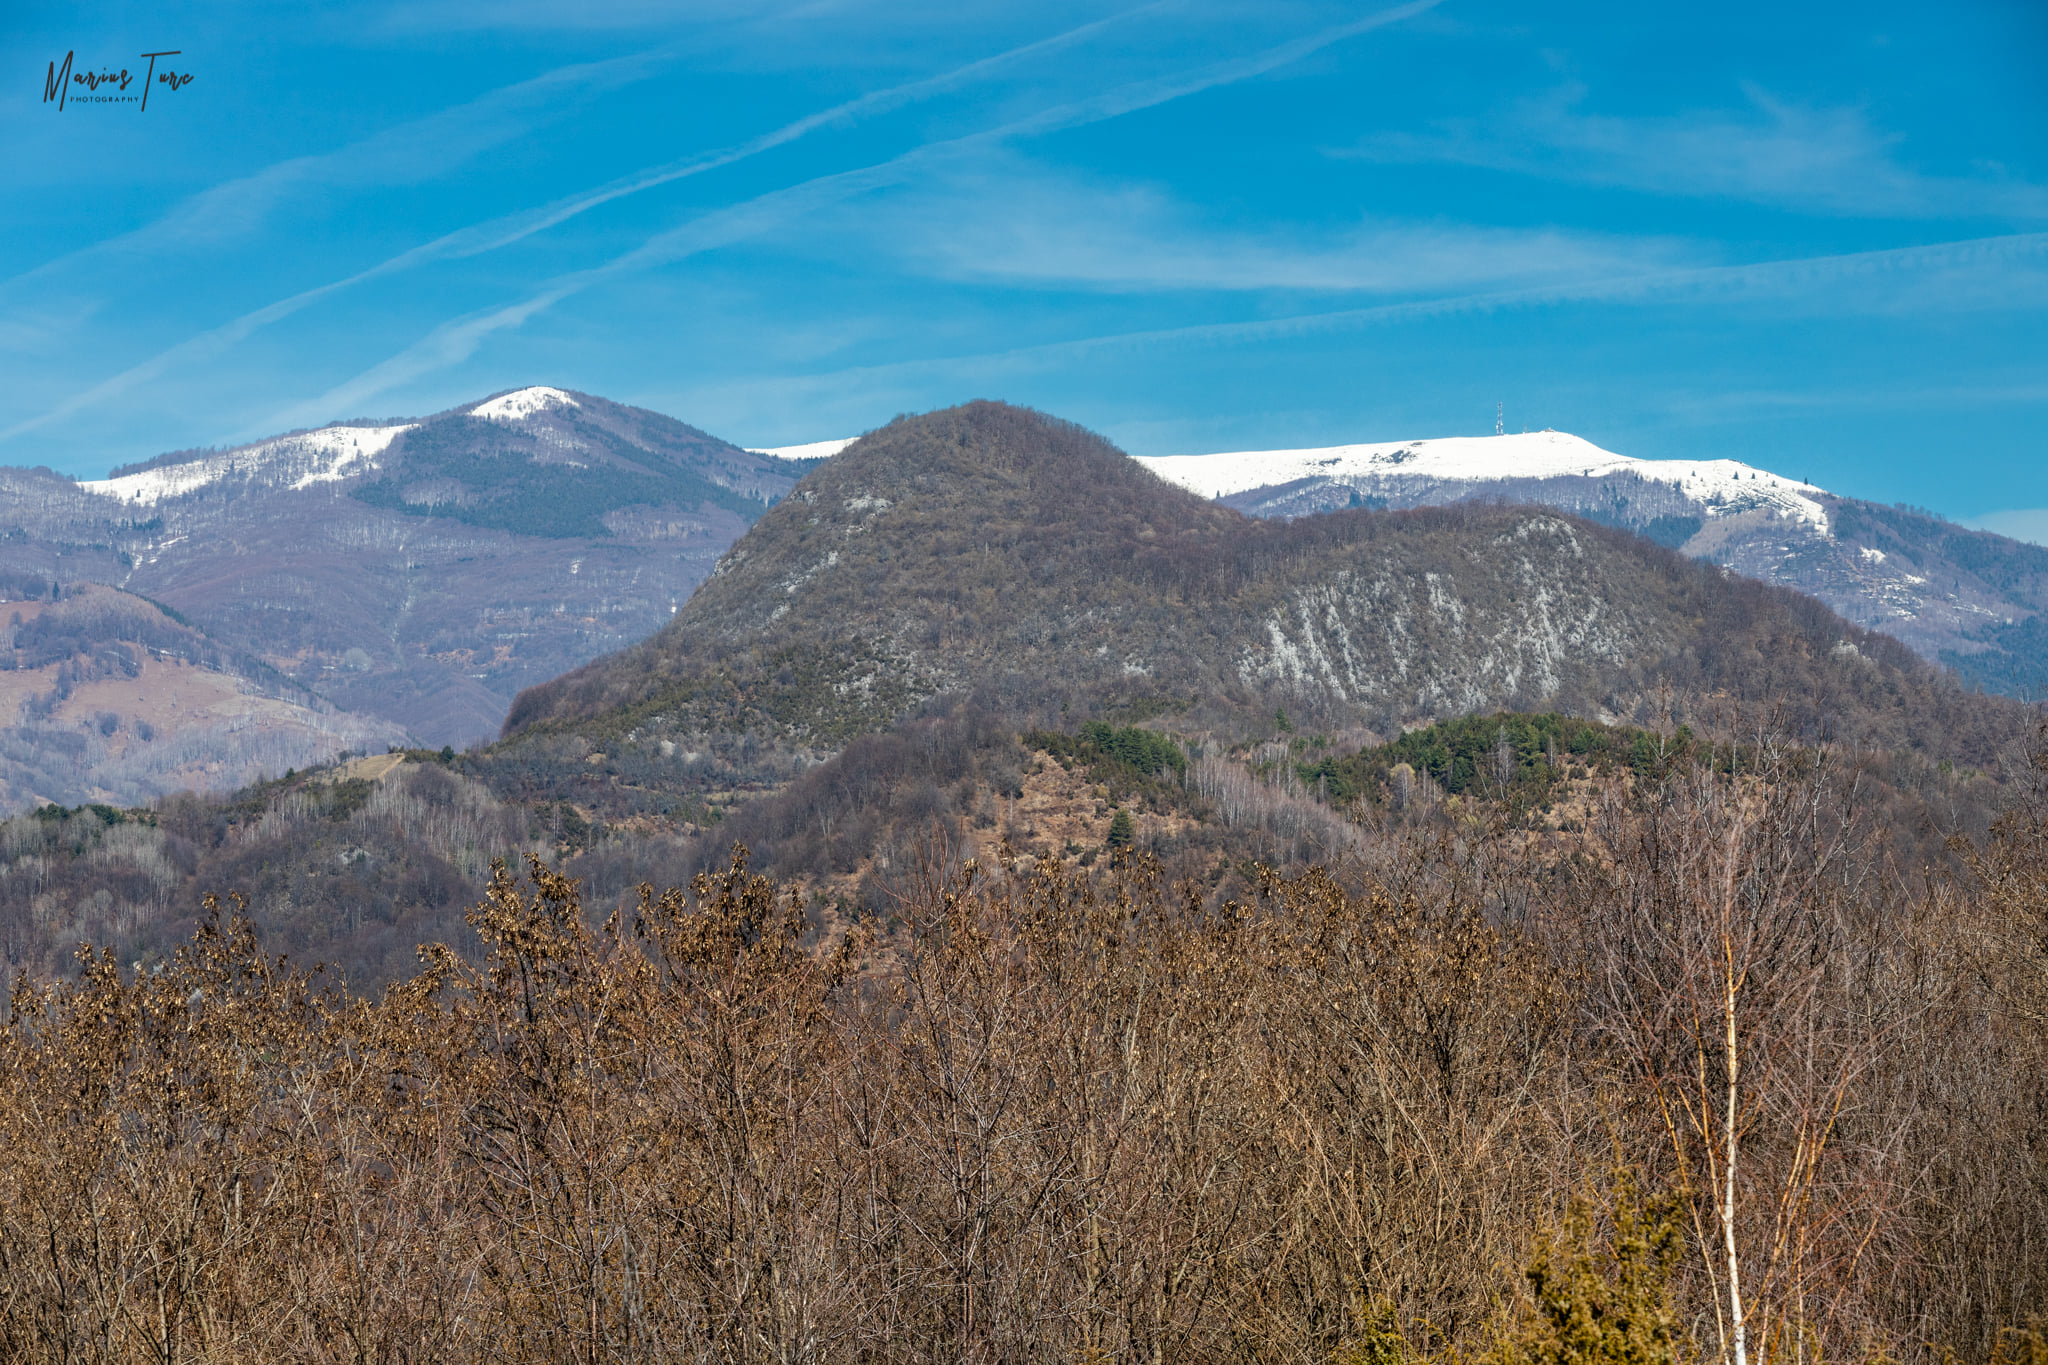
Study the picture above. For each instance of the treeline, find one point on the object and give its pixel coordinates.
(354, 875)
(1130, 752)
(1502, 753)
(1354, 1116)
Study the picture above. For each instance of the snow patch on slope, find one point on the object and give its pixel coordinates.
(521, 404)
(298, 462)
(814, 450)
(1719, 487)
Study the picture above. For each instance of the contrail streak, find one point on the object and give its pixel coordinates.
(501, 232)
(395, 153)
(457, 340)
(1764, 278)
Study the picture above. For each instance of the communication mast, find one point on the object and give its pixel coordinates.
(1500, 414)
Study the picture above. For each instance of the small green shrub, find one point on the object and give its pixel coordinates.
(1599, 1289)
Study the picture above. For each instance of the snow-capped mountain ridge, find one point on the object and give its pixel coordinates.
(306, 458)
(809, 450)
(521, 404)
(297, 462)
(1965, 598)
(1715, 487)
(1970, 599)
(421, 569)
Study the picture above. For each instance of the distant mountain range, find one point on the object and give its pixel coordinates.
(415, 572)
(1968, 599)
(994, 553)
(934, 630)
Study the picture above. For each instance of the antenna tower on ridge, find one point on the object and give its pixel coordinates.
(1500, 414)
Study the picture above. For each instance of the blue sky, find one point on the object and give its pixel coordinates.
(1812, 237)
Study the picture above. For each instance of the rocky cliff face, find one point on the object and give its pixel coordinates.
(1525, 616)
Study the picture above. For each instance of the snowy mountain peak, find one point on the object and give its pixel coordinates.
(521, 404)
(1716, 487)
(810, 450)
(299, 461)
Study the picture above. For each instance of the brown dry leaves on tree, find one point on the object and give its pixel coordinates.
(1071, 1115)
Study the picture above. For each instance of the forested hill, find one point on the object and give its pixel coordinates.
(994, 551)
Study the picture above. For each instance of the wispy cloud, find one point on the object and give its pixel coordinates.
(2001, 273)
(2025, 523)
(1741, 404)
(1823, 160)
(466, 15)
(512, 228)
(1007, 223)
(1982, 274)
(455, 341)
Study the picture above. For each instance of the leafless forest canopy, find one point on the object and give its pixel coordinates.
(1731, 1074)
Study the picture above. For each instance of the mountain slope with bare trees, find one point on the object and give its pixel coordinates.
(994, 552)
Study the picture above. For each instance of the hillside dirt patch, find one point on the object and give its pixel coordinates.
(1057, 812)
(142, 720)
